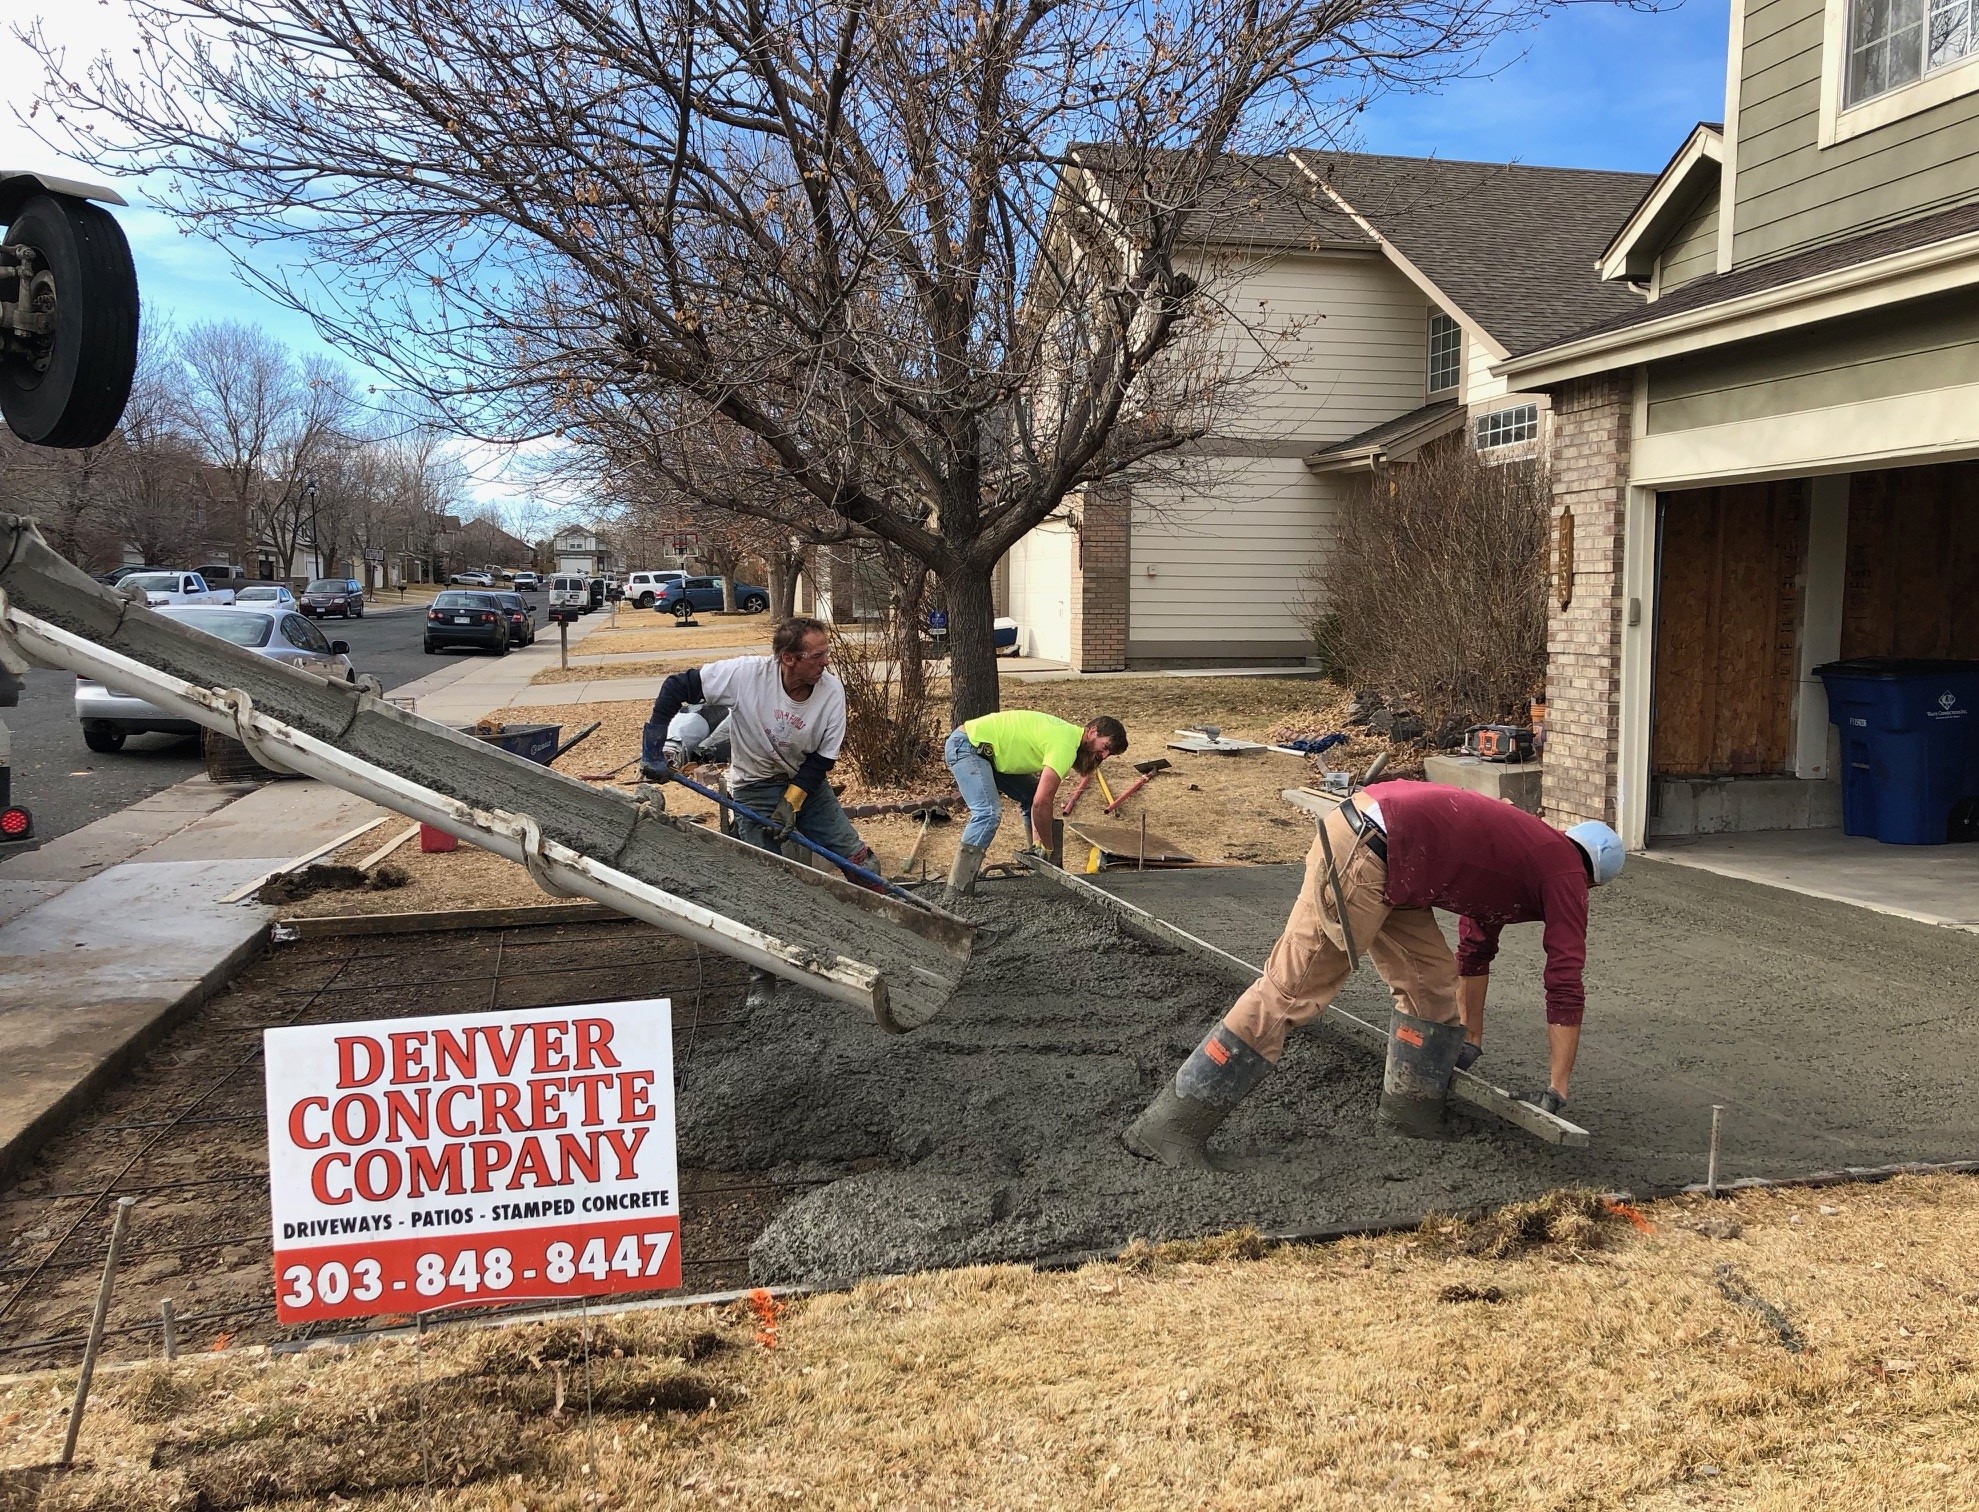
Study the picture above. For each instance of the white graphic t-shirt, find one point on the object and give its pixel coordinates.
(770, 733)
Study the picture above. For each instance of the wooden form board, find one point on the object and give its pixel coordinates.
(1912, 585)
(1727, 633)
(1114, 838)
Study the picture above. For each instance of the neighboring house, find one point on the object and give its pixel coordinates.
(1393, 284)
(1768, 465)
(580, 549)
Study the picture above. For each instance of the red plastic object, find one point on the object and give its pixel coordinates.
(431, 840)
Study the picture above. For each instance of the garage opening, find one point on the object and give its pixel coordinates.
(1761, 584)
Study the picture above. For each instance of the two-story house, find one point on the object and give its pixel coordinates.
(581, 550)
(1385, 288)
(1768, 464)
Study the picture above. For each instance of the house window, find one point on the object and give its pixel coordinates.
(1446, 352)
(1892, 43)
(1507, 427)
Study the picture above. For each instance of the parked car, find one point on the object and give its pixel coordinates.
(643, 588)
(117, 574)
(174, 588)
(527, 582)
(698, 593)
(268, 595)
(595, 592)
(570, 597)
(521, 619)
(474, 579)
(109, 718)
(222, 574)
(326, 596)
(475, 620)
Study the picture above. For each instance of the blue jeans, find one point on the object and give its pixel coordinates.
(980, 783)
(821, 820)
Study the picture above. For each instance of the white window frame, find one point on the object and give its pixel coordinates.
(1840, 123)
(1456, 331)
(1530, 436)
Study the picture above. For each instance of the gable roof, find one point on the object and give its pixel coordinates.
(1507, 247)
(1706, 312)
(1394, 440)
(1694, 169)
(1249, 200)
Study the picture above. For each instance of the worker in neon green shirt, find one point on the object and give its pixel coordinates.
(1024, 754)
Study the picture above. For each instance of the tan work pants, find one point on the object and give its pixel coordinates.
(1309, 962)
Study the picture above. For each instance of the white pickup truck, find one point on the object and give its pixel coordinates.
(174, 588)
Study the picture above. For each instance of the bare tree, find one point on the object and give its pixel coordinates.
(864, 236)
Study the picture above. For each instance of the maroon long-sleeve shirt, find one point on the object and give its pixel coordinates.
(1491, 865)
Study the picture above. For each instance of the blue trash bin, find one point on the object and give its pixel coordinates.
(1910, 747)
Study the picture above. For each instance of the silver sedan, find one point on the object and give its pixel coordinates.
(266, 596)
(108, 718)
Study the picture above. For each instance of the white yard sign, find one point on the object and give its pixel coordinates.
(427, 1162)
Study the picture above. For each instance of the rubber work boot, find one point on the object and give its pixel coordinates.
(1422, 1057)
(1219, 1074)
(962, 875)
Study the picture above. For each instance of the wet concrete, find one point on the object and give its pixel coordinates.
(1833, 1036)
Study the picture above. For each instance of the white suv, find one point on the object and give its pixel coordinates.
(643, 588)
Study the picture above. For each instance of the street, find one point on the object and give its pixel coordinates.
(65, 785)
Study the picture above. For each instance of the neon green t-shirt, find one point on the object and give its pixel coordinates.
(1027, 741)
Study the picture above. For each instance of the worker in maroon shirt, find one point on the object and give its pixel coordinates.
(1399, 850)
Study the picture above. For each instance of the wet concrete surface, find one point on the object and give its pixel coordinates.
(1831, 1035)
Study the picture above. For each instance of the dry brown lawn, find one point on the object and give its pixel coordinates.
(1595, 1367)
(642, 630)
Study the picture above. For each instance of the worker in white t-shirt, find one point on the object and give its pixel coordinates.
(786, 724)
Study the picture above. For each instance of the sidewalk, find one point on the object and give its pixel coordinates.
(113, 932)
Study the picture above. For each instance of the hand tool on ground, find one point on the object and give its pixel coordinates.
(1147, 769)
(851, 868)
(1099, 776)
(1085, 781)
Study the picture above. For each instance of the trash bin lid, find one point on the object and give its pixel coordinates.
(1895, 667)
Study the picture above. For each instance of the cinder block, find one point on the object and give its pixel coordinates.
(1516, 783)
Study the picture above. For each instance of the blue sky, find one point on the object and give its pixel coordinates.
(1595, 86)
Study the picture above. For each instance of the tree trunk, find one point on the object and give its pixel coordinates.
(971, 642)
(782, 586)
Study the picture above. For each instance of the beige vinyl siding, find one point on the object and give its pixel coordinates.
(1225, 564)
(1933, 344)
(1693, 251)
(1346, 347)
(1791, 192)
(1480, 387)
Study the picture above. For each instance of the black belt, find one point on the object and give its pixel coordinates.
(1366, 828)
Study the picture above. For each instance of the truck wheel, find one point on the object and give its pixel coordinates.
(71, 391)
(645, 601)
(102, 738)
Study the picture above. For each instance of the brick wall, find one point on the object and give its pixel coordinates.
(1099, 580)
(1591, 419)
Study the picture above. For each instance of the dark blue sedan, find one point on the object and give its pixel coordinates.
(684, 597)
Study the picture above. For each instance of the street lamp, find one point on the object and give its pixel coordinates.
(315, 540)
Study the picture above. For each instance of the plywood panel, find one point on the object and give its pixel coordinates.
(1913, 563)
(1728, 614)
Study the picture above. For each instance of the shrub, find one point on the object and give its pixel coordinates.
(1435, 593)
